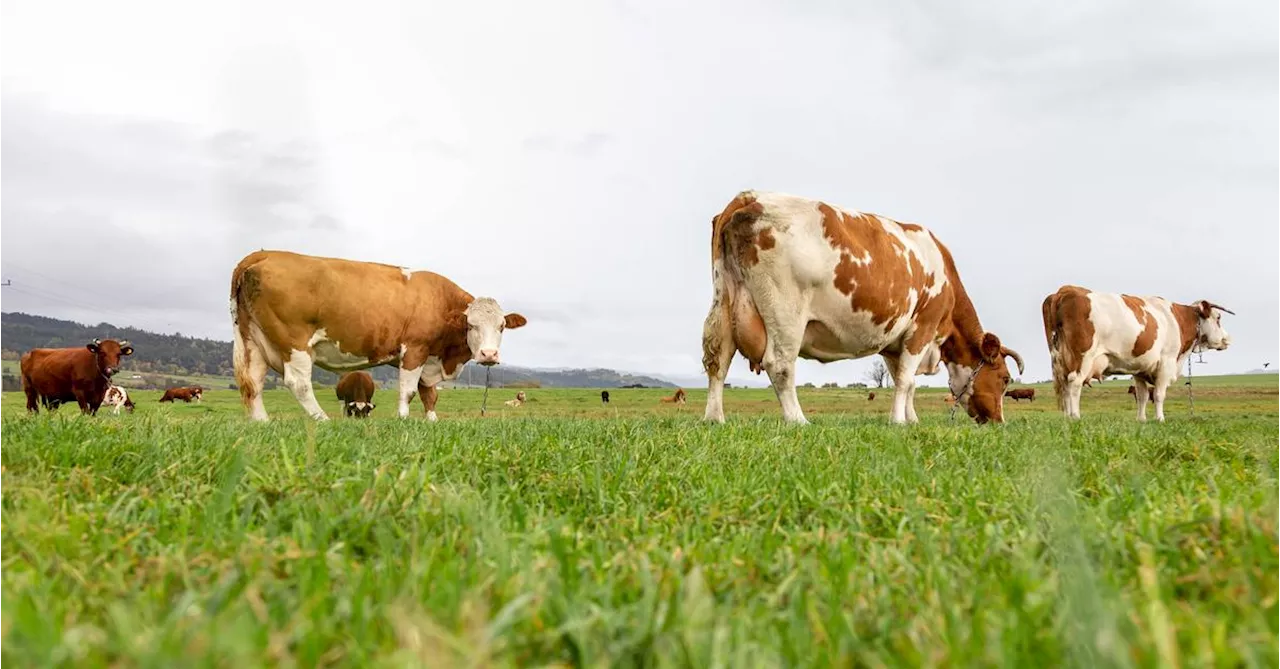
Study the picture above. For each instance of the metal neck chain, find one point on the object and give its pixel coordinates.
(488, 371)
(967, 388)
(1191, 400)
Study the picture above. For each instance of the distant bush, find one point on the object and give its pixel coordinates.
(10, 383)
(831, 385)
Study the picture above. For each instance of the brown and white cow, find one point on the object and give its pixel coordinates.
(1021, 394)
(292, 312)
(517, 401)
(1151, 394)
(355, 391)
(187, 394)
(1091, 335)
(56, 376)
(794, 277)
(116, 398)
(677, 398)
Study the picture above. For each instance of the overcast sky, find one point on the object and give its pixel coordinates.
(566, 158)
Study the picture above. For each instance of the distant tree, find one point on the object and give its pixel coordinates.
(856, 385)
(879, 374)
(806, 385)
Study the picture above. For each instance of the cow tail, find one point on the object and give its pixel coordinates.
(1053, 335)
(243, 288)
(726, 279)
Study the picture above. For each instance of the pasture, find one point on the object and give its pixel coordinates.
(568, 533)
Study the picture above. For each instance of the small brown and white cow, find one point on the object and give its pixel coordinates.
(1151, 394)
(292, 312)
(799, 278)
(355, 391)
(519, 399)
(116, 398)
(1021, 394)
(1091, 335)
(677, 398)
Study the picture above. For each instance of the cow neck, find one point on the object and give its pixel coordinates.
(454, 350)
(87, 367)
(962, 346)
(1188, 319)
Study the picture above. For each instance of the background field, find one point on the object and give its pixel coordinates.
(567, 532)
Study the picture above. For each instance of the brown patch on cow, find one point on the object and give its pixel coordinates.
(884, 293)
(1067, 326)
(1188, 319)
(911, 227)
(749, 334)
(1147, 338)
(742, 208)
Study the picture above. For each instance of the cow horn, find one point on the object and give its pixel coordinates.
(124, 343)
(1005, 350)
(96, 341)
(1221, 308)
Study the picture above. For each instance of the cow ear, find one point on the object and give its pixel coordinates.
(92, 346)
(1206, 309)
(513, 321)
(127, 350)
(990, 347)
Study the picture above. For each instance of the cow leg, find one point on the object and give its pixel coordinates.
(1161, 392)
(429, 395)
(252, 380)
(33, 405)
(1140, 394)
(717, 355)
(297, 376)
(408, 386)
(780, 364)
(903, 368)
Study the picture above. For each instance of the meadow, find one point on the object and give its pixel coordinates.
(567, 533)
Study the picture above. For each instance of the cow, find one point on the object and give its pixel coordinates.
(116, 397)
(1091, 335)
(187, 394)
(53, 376)
(677, 398)
(355, 391)
(1021, 394)
(604, 397)
(871, 397)
(1151, 394)
(292, 312)
(519, 399)
(949, 398)
(799, 278)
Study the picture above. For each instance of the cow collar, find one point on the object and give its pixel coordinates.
(968, 387)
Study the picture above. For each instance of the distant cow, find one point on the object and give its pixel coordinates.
(52, 376)
(293, 312)
(1151, 394)
(187, 394)
(1021, 394)
(1091, 335)
(604, 396)
(517, 401)
(355, 391)
(677, 398)
(116, 397)
(871, 396)
(949, 398)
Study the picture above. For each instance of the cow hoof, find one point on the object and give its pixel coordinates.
(431, 417)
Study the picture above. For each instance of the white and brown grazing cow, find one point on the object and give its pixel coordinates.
(116, 398)
(355, 391)
(794, 277)
(293, 311)
(1091, 335)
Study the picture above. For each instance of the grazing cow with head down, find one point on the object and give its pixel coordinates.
(677, 398)
(116, 397)
(1151, 394)
(1021, 394)
(871, 396)
(604, 397)
(187, 394)
(355, 391)
(58, 375)
(798, 278)
(1091, 335)
(292, 312)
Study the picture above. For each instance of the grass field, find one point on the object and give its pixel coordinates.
(564, 532)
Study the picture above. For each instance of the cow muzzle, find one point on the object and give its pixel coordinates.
(487, 356)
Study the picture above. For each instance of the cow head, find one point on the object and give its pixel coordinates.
(1209, 328)
(984, 400)
(485, 324)
(360, 409)
(109, 354)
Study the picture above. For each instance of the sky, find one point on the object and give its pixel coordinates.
(566, 158)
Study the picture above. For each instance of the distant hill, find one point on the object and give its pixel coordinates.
(1269, 370)
(178, 355)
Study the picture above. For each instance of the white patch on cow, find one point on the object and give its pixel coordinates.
(958, 382)
(329, 354)
(408, 386)
(432, 417)
(408, 273)
(297, 377)
(433, 371)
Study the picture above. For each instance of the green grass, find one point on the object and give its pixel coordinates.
(564, 532)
